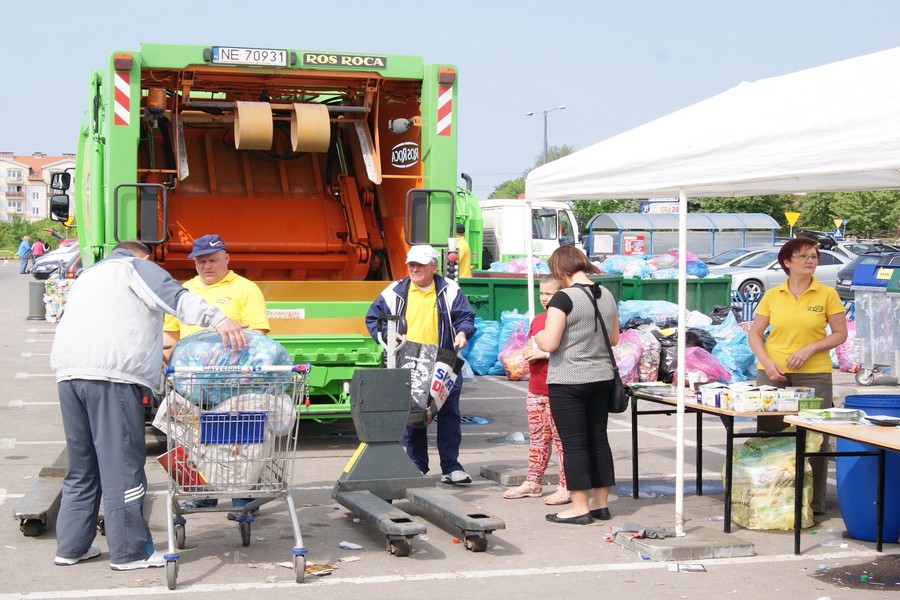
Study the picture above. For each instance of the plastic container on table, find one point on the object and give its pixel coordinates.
(857, 477)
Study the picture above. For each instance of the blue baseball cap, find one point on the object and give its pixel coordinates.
(207, 244)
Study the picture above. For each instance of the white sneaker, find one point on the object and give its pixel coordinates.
(92, 552)
(157, 559)
(456, 477)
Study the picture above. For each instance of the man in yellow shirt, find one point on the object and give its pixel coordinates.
(464, 252)
(239, 298)
(437, 312)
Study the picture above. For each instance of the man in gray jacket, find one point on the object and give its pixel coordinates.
(106, 352)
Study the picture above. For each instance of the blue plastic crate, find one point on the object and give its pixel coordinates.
(243, 427)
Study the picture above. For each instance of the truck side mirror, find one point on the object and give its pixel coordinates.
(60, 181)
(59, 207)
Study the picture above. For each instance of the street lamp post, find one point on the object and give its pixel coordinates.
(546, 112)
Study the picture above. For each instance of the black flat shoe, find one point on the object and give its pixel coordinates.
(601, 514)
(585, 519)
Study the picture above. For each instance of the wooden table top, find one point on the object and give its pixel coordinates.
(691, 403)
(874, 435)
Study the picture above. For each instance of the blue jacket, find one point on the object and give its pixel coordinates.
(455, 314)
(24, 249)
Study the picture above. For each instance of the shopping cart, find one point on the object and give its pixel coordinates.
(231, 433)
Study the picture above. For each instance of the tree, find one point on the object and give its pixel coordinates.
(12, 232)
(868, 214)
(585, 210)
(512, 188)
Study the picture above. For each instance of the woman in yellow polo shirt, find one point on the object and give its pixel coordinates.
(796, 352)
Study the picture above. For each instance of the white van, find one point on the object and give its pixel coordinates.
(506, 226)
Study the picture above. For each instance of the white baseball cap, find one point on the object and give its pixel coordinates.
(422, 255)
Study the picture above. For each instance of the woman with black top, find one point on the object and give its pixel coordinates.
(580, 381)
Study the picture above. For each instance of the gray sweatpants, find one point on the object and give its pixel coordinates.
(104, 426)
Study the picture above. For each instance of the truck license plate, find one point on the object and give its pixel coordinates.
(267, 57)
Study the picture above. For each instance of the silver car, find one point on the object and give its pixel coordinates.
(762, 272)
(47, 264)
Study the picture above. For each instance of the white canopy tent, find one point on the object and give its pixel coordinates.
(830, 128)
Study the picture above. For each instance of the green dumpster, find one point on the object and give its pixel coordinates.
(490, 293)
(703, 294)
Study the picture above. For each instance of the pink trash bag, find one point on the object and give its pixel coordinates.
(628, 354)
(702, 367)
(512, 355)
(846, 355)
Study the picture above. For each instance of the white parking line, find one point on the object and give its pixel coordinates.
(22, 404)
(30, 354)
(425, 577)
(23, 375)
(33, 340)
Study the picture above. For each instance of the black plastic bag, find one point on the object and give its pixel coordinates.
(700, 338)
(719, 313)
(635, 322)
(434, 373)
(668, 356)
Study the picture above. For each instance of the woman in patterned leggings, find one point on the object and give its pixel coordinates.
(541, 428)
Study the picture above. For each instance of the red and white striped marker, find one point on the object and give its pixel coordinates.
(445, 109)
(122, 104)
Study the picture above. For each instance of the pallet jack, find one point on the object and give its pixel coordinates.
(380, 470)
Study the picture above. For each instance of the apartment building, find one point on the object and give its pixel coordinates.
(25, 183)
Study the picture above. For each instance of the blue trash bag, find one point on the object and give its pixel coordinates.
(485, 346)
(658, 310)
(467, 373)
(205, 348)
(696, 268)
(628, 266)
(737, 358)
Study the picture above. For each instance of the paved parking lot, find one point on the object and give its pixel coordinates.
(531, 557)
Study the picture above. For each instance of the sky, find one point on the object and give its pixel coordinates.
(613, 64)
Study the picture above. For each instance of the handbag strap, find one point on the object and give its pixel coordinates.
(602, 325)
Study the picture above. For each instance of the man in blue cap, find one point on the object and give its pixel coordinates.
(238, 297)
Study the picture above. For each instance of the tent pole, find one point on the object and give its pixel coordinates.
(682, 371)
(530, 234)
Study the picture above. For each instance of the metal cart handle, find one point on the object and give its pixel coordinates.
(301, 368)
(395, 324)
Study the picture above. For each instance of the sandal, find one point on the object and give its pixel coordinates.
(526, 490)
(560, 496)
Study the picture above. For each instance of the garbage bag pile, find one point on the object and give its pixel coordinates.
(717, 345)
(715, 352)
(483, 350)
(520, 265)
(664, 266)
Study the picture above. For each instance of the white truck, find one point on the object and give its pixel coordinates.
(507, 224)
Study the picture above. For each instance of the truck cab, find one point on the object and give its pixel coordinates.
(507, 223)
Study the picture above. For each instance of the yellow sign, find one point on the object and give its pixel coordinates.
(791, 218)
(838, 222)
(884, 273)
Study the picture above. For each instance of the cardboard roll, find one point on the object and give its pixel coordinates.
(310, 128)
(253, 126)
